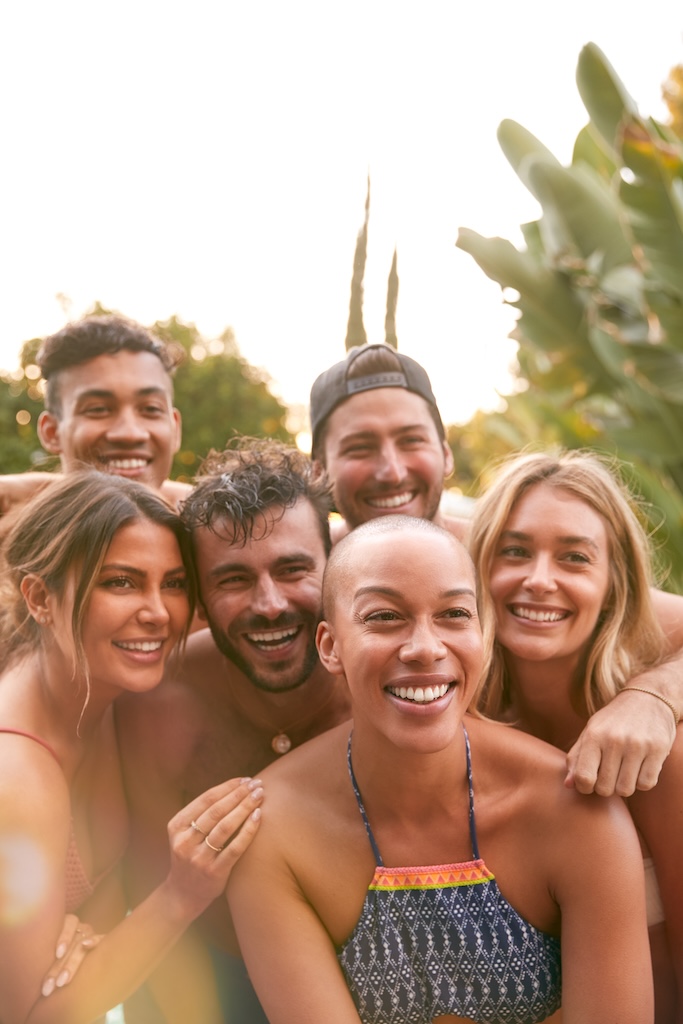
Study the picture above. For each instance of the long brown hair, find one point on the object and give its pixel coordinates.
(63, 534)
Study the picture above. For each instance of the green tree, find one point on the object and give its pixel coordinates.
(599, 290)
(218, 392)
(21, 402)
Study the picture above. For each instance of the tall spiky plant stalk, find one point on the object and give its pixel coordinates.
(355, 331)
(392, 299)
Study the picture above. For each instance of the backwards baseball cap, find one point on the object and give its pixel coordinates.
(334, 386)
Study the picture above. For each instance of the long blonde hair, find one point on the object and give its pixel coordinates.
(627, 637)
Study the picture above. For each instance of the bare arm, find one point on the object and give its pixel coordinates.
(658, 815)
(16, 488)
(606, 976)
(129, 951)
(288, 953)
(624, 745)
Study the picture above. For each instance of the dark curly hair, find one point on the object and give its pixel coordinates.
(251, 477)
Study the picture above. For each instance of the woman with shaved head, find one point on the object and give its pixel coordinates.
(423, 863)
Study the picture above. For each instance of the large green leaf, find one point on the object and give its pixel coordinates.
(603, 93)
(520, 147)
(648, 439)
(600, 295)
(580, 212)
(590, 149)
(542, 290)
(654, 204)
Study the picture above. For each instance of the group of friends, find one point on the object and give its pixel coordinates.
(257, 765)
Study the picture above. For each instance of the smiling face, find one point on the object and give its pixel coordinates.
(550, 576)
(405, 634)
(137, 611)
(262, 599)
(383, 455)
(116, 413)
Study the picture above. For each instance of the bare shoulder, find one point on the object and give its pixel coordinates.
(314, 762)
(174, 491)
(459, 527)
(507, 749)
(302, 788)
(529, 774)
(34, 795)
(339, 528)
(309, 814)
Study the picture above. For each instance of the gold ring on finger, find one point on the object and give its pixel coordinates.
(216, 849)
(195, 826)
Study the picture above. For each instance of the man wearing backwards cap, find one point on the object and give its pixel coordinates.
(378, 433)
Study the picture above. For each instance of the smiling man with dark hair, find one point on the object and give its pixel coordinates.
(378, 433)
(108, 404)
(109, 399)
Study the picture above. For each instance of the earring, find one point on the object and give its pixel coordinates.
(42, 620)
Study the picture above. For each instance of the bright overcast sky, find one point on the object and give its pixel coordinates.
(210, 160)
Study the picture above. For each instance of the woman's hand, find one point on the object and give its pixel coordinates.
(75, 941)
(207, 838)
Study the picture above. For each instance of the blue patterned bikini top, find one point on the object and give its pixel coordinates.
(444, 940)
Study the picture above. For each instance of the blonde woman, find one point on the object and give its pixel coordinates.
(565, 569)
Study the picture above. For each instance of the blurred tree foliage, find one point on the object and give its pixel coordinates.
(219, 393)
(672, 93)
(21, 401)
(598, 289)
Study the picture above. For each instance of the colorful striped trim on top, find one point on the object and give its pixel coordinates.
(437, 876)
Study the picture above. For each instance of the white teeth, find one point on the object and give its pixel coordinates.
(126, 463)
(272, 637)
(537, 616)
(145, 645)
(420, 694)
(395, 502)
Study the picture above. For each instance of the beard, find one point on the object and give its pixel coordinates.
(279, 677)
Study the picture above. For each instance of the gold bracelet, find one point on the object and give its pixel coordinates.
(653, 693)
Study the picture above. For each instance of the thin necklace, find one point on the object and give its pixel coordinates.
(281, 742)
